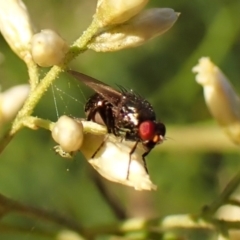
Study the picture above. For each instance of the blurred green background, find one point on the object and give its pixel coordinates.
(160, 70)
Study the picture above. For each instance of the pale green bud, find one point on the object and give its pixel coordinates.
(111, 12)
(68, 235)
(48, 48)
(141, 28)
(16, 27)
(220, 97)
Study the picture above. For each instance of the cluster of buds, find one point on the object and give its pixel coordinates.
(108, 154)
(11, 101)
(220, 97)
(124, 25)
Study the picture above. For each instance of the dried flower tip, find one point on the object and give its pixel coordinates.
(110, 12)
(220, 97)
(141, 28)
(109, 155)
(11, 101)
(58, 149)
(68, 133)
(48, 48)
(16, 27)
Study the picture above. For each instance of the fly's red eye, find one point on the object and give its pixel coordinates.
(147, 130)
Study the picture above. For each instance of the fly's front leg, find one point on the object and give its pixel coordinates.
(144, 160)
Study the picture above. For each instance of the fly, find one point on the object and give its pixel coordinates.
(124, 113)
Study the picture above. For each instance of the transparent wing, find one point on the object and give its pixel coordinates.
(107, 92)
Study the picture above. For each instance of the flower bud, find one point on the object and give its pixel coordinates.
(68, 235)
(141, 28)
(110, 12)
(109, 155)
(68, 133)
(48, 48)
(11, 101)
(220, 97)
(16, 27)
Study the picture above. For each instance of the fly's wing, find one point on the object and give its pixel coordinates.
(108, 93)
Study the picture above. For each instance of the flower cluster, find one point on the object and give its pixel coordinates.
(121, 24)
(116, 25)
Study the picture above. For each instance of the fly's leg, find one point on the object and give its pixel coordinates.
(130, 155)
(144, 160)
(100, 146)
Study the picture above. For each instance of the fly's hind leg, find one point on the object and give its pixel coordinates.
(100, 146)
(129, 160)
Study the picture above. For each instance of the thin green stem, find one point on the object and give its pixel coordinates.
(35, 123)
(224, 197)
(234, 202)
(8, 205)
(33, 74)
(11, 229)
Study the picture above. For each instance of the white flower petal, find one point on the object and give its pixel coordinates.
(220, 97)
(110, 12)
(12, 100)
(16, 27)
(112, 159)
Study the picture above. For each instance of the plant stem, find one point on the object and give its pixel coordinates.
(35, 123)
(77, 47)
(8, 205)
(111, 200)
(224, 197)
(33, 74)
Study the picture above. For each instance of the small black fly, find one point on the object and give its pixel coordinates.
(124, 113)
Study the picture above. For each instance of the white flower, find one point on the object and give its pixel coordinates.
(16, 27)
(141, 28)
(220, 97)
(109, 155)
(12, 100)
(110, 12)
(48, 48)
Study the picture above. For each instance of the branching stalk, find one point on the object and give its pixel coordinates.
(38, 91)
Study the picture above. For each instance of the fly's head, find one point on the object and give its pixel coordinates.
(137, 118)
